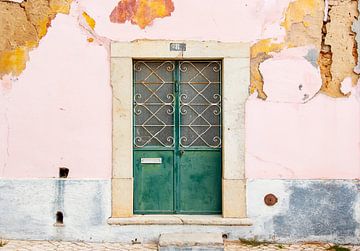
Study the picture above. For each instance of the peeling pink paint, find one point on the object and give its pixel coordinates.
(58, 113)
(141, 12)
(60, 116)
(289, 77)
(221, 24)
(346, 85)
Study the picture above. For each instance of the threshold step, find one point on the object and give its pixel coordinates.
(205, 220)
(191, 241)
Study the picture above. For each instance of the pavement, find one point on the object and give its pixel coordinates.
(22, 245)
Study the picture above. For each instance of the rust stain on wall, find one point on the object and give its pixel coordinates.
(338, 55)
(141, 12)
(22, 25)
(303, 23)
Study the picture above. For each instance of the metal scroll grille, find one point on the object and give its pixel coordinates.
(154, 105)
(177, 103)
(200, 104)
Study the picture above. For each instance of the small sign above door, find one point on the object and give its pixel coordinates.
(177, 47)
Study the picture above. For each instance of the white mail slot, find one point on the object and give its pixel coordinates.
(151, 160)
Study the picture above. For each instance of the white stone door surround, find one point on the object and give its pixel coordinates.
(235, 82)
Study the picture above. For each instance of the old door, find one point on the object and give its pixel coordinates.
(177, 137)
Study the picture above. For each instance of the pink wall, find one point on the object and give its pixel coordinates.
(58, 111)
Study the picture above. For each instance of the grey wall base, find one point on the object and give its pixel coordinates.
(307, 210)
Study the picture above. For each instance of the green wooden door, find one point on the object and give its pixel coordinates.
(177, 137)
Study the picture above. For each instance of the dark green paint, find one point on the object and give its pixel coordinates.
(200, 182)
(153, 186)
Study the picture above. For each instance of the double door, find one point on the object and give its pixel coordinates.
(177, 137)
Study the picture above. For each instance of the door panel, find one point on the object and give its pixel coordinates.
(200, 182)
(153, 183)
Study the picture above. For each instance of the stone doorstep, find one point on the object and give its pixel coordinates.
(206, 220)
(191, 241)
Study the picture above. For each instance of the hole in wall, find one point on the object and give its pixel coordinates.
(59, 217)
(135, 241)
(225, 236)
(63, 172)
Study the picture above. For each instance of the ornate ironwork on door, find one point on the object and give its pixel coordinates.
(200, 104)
(154, 104)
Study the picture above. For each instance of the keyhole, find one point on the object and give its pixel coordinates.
(182, 152)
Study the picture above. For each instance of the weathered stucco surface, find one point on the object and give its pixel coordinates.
(302, 23)
(56, 112)
(22, 25)
(333, 39)
(141, 12)
(305, 208)
(312, 211)
(356, 29)
(66, 84)
(338, 56)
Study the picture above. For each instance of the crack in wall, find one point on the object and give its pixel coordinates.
(325, 57)
(87, 24)
(283, 167)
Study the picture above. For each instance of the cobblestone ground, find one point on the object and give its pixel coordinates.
(229, 246)
(236, 245)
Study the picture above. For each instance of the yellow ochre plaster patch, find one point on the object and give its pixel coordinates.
(24, 24)
(89, 20)
(304, 19)
(13, 61)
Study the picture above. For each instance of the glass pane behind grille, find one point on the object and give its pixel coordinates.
(200, 104)
(154, 103)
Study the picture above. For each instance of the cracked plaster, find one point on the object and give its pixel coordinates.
(356, 29)
(31, 87)
(23, 25)
(141, 12)
(302, 23)
(333, 41)
(339, 48)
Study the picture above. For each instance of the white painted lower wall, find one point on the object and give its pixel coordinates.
(307, 210)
